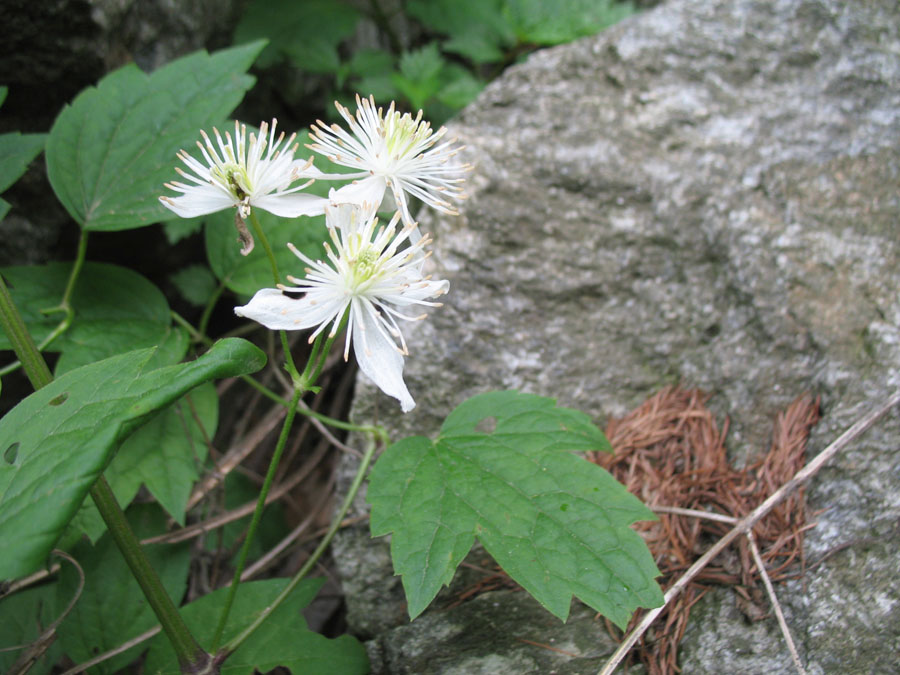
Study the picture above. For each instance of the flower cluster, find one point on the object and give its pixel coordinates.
(373, 274)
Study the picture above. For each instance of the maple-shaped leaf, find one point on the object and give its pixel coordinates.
(504, 469)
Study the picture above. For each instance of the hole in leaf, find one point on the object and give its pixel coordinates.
(487, 425)
(11, 453)
(59, 400)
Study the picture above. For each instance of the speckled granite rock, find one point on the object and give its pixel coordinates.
(706, 193)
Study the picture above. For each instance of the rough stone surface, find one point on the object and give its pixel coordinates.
(708, 194)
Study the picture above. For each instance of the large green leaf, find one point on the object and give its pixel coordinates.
(502, 469)
(55, 443)
(112, 608)
(111, 150)
(164, 455)
(284, 640)
(116, 310)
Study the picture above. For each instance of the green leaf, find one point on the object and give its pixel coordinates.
(284, 640)
(111, 150)
(55, 443)
(461, 89)
(478, 29)
(112, 608)
(181, 228)
(116, 310)
(195, 283)
(23, 617)
(248, 274)
(163, 455)
(550, 22)
(303, 31)
(502, 469)
(16, 152)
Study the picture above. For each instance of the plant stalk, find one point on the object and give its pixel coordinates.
(191, 657)
(257, 515)
(236, 642)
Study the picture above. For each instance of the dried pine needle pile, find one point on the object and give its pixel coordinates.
(670, 452)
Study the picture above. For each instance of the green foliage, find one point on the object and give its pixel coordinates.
(458, 43)
(111, 150)
(477, 29)
(247, 274)
(307, 32)
(164, 455)
(111, 609)
(196, 284)
(16, 152)
(286, 641)
(55, 443)
(23, 617)
(181, 228)
(502, 469)
(550, 22)
(116, 311)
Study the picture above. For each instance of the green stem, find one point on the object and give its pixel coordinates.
(22, 343)
(184, 323)
(64, 306)
(80, 254)
(236, 642)
(208, 310)
(261, 235)
(191, 656)
(379, 432)
(257, 515)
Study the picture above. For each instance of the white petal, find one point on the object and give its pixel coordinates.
(198, 201)
(277, 311)
(291, 205)
(379, 359)
(312, 171)
(368, 191)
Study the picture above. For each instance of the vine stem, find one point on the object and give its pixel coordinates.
(64, 306)
(235, 642)
(191, 657)
(257, 515)
(746, 524)
(286, 348)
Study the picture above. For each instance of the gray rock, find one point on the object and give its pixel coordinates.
(705, 194)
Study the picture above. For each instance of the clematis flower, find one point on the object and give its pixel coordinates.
(244, 175)
(369, 279)
(391, 150)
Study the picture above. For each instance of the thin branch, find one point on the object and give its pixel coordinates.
(246, 509)
(745, 524)
(674, 510)
(761, 566)
(235, 455)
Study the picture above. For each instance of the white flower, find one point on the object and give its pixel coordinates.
(240, 175)
(368, 279)
(393, 151)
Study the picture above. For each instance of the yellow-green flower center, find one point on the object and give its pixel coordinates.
(402, 132)
(236, 178)
(364, 266)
